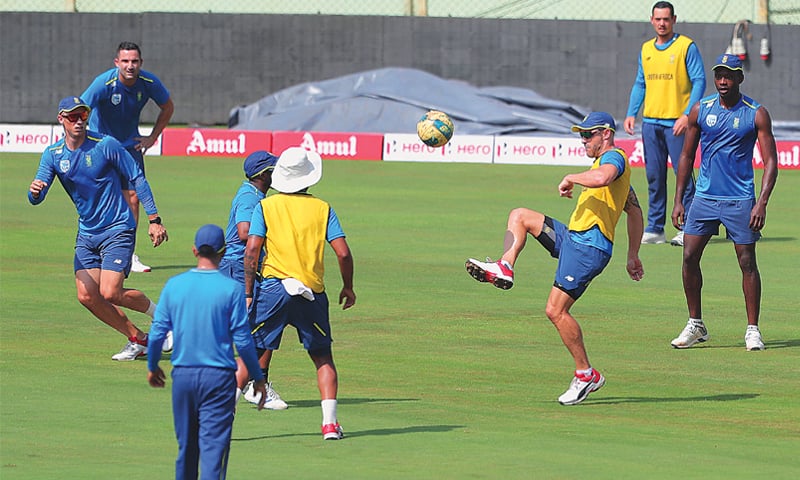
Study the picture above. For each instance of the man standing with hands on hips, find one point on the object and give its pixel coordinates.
(670, 79)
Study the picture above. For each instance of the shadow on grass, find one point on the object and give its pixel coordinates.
(349, 401)
(793, 343)
(725, 397)
(364, 433)
(783, 343)
(173, 267)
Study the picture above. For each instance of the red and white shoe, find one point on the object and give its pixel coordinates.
(581, 386)
(496, 273)
(332, 431)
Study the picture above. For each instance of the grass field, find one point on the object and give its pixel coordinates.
(440, 377)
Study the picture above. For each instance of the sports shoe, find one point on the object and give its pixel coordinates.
(677, 240)
(651, 238)
(166, 347)
(690, 335)
(137, 266)
(332, 431)
(274, 401)
(132, 351)
(581, 386)
(495, 273)
(752, 339)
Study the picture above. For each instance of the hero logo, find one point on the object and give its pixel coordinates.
(331, 148)
(199, 144)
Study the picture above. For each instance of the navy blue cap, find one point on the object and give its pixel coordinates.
(71, 103)
(596, 120)
(211, 236)
(729, 61)
(259, 162)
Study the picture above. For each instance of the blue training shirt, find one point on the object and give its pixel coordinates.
(116, 107)
(207, 314)
(245, 200)
(697, 75)
(91, 176)
(727, 139)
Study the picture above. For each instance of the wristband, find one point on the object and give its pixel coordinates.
(248, 295)
(156, 221)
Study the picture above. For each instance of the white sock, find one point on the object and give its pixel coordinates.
(151, 310)
(752, 327)
(238, 394)
(329, 411)
(696, 321)
(507, 265)
(585, 373)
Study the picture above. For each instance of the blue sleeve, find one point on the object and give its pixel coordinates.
(258, 226)
(242, 338)
(158, 92)
(334, 227)
(613, 157)
(244, 207)
(92, 93)
(697, 74)
(129, 169)
(45, 174)
(637, 91)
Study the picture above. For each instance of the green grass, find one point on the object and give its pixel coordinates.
(440, 377)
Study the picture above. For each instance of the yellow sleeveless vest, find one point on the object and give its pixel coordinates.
(667, 83)
(604, 205)
(297, 226)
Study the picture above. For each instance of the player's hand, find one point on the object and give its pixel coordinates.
(635, 268)
(348, 296)
(678, 216)
(680, 125)
(565, 188)
(36, 188)
(145, 143)
(248, 302)
(758, 217)
(628, 124)
(158, 234)
(156, 379)
(260, 387)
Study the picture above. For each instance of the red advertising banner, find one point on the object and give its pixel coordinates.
(332, 145)
(211, 142)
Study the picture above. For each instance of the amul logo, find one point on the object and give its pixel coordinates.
(200, 144)
(330, 148)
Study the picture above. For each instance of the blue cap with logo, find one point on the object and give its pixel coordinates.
(596, 120)
(71, 103)
(259, 162)
(731, 62)
(210, 236)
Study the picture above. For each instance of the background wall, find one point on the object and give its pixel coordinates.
(214, 62)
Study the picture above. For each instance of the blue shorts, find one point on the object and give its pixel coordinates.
(139, 157)
(705, 216)
(111, 250)
(273, 309)
(578, 264)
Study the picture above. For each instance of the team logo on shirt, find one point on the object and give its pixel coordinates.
(138, 96)
(736, 122)
(63, 165)
(116, 99)
(88, 160)
(711, 120)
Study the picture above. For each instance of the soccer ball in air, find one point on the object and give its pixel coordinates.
(435, 128)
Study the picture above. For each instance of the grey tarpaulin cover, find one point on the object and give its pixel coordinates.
(391, 100)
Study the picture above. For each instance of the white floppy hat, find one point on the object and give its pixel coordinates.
(296, 169)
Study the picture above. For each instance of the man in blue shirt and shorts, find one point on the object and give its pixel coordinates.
(117, 97)
(90, 167)
(726, 126)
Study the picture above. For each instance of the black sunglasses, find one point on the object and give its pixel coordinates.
(588, 133)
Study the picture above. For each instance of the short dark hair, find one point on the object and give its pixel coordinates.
(129, 46)
(664, 5)
(207, 251)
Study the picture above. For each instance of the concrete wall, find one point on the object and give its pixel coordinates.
(214, 62)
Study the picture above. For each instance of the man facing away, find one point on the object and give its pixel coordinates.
(726, 126)
(669, 80)
(90, 167)
(207, 313)
(117, 97)
(583, 248)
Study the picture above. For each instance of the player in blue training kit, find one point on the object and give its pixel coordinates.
(207, 313)
(117, 97)
(669, 80)
(726, 126)
(90, 168)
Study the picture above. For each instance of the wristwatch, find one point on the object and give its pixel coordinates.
(156, 220)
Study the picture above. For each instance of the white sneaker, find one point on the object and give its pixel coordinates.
(752, 339)
(132, 351)
(496, 273)
(677, 240)
(166, 347)
(690, 335)
(649, 238)
(581, 386)
(274, 401)
(137, 266)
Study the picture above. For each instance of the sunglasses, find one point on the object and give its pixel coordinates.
(73, 117)
(588, 134)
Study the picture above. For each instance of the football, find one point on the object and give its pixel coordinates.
(435, 128)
